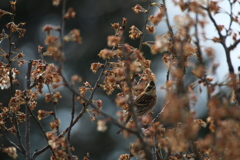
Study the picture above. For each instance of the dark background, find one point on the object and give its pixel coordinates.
(94, 19)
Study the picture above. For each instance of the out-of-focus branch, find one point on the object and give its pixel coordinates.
(169, 28)
(132, 107)
(199, 51)
(169, 69)
(179, 56)
(63, 23)
(222, 41)
(144, 26)
(230, 16)
(234, 45)
(158, 115)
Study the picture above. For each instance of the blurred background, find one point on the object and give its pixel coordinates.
(94, 19)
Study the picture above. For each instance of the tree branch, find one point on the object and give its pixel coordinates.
(144, 26)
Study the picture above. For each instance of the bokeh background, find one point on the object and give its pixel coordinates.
(94, 19)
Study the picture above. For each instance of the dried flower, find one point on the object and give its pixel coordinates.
(157, 18)
(150, 29)
(73, 35)
(138, 8)
(95, 66)
(11, 151)
(135, 32)
(101, 125)
(70, 14)
(113, 41)
(3, 12)
(106, 54)
(43, 114)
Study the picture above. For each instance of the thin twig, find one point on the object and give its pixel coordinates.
(169, 28)
(72, 115)
(230, 16)
(15, 123)
(114, 121)
(27, 114)
(63, 23)
(199, 51)
(222, 41)
(36, 153)
(169, 70)
(89, 101)
(12, 143)
(144, 26)
(54, 108)
(158, 115)
(110, 118)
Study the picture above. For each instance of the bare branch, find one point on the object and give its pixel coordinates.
(144, 26)
(27, 114)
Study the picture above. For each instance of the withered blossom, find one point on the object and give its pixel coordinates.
(214, 7)
(43, 114)
(183, 21)
(3, 12)
(157, 18)
(56, 2)
(150, 29)
(138, 8)
(134, 32)
(16, 28)
(101, 125)
(73, 35)
(55, 124)
(113, 41)
(106, 54)
(95, 66)
(11, 151)
(47, 28)
(70, 13)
